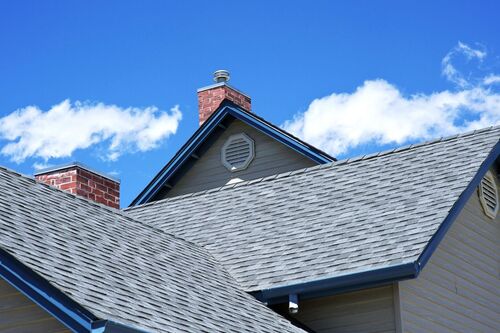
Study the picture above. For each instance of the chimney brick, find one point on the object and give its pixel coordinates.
(210, 98)
(80, 180)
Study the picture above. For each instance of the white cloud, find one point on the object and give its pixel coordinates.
(40, 166)
(114, 173)
(377, 112)
(469, 52)
(67, 126)
(491, 79)
(449, 70)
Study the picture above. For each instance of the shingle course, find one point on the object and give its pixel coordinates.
(121, 269)
(321, 222)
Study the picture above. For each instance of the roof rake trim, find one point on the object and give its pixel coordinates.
(380, 276)
(48, 297)
(458, 206)
(67, 311)
(189, 148)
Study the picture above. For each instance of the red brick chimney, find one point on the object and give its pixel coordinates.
(209, 98)
(79, 179)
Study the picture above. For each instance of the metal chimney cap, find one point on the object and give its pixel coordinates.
(221, 75)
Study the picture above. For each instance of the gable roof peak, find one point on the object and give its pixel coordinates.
(358, 203)
(349, 161)
(226, 112)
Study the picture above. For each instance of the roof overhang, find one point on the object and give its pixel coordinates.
(214, 122)
(385, 275)
(339, 284)
(70, 313)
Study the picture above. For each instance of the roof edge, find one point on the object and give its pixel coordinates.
(59, 305)
(376, 277)
(109, 326)
(340, 284)
(55, 302)
(458, 206)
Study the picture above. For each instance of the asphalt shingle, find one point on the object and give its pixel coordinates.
(334, 219)
(121, 269)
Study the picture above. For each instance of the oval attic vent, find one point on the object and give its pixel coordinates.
(488, 195)
(237, 152)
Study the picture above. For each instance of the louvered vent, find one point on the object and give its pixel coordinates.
(488, 195)
(237, 152)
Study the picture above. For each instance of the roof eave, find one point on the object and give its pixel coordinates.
(55, 302)
(381, 276)
(340, 284)
(40, 291)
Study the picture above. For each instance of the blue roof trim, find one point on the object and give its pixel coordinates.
(457, 207)
(68, 312)
(226, 108)
(279, 135)
(114, 327)
(377, 277)
(98, 326)
(339, 284)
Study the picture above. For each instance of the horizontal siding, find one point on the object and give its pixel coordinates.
(459, 288)
(271, 157)
(367, 311)
(19, 314)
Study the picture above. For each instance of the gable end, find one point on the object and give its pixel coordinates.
(207, 133)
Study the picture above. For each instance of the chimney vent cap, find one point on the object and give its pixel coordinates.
(221, 75)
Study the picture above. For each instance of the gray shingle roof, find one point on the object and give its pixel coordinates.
(335, 219)
(121, 269)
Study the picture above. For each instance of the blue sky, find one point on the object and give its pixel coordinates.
(351, 77)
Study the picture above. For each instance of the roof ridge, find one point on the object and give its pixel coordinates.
(351, 160)
(112, 210)
(124, 214)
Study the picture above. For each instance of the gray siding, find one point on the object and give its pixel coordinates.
(459, 288)
(366, 311)
(19, 314)
(271, 157)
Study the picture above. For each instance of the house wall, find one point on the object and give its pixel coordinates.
(19, 314)
(271, 157)
(459, 288)
(366, 311)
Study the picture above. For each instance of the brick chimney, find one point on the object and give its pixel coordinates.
(81, 180)
(209, 98)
